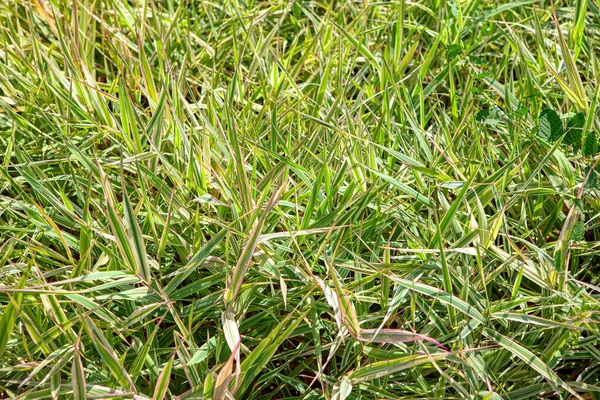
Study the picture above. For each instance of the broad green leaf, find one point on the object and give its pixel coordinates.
(453, 51)
(578, 233)
(482, 115)
(592, 178)
(550, 126)
(590, 144)
(575, 130)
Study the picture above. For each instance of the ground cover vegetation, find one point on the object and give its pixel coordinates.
(299, 199)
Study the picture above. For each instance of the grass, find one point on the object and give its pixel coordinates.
(299, 199)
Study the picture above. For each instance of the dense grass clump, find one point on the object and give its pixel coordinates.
(299, 199)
